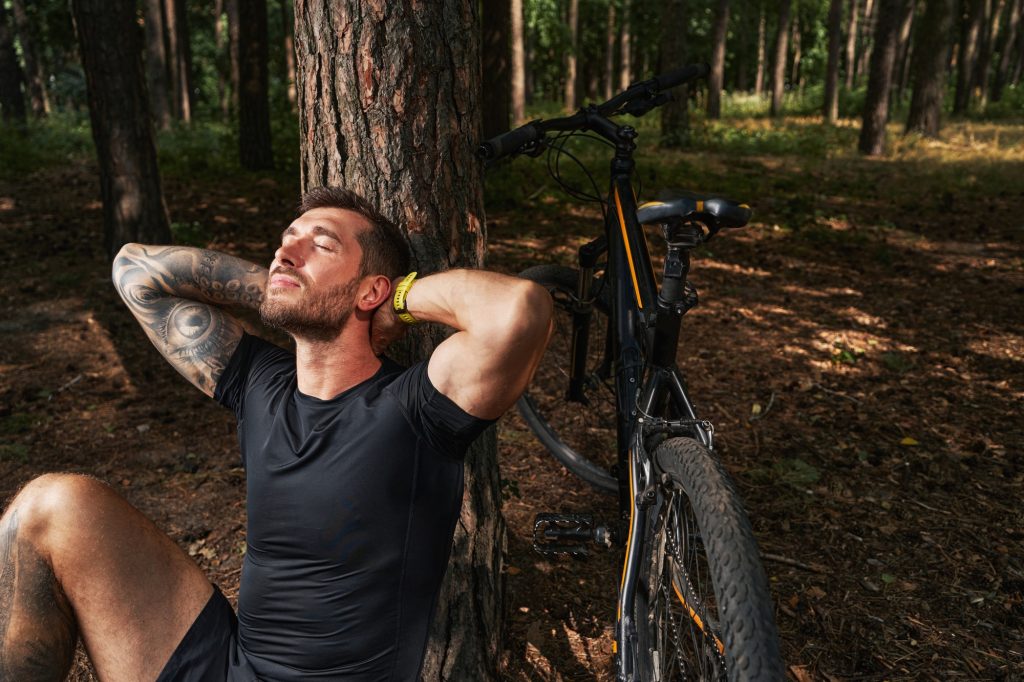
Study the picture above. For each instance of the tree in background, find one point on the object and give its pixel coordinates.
(928, 67)
(35, 79)
(497, 67)
(133, 203)
(387, 116)
(518, 62)
(625, 47)
(779, 62)
(12, 101)
(1006, 51)
(967, 55)
(179, 59)
(851, 44)
(883, 56)
(570, 55)
(675, 115)
(830, 109)
(156, 63)
(254, 148)
(715, 80)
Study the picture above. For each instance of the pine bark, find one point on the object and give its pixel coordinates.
(625, 48)
(518, 64)
(1006, 50)
(156, 64)
(12, 101)
(928, 67)
(719, 31)
(779, 62)
(609, 53)
(851, 43)
(571, 76)
(830, 109)
(761, 52)
(35, 78)
(883, 57)
(497, 71)
(968, 56)
(255, 151)
(675, 115)
(389, 106)
(133, 204)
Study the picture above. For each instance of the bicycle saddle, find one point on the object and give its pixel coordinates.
(713, 211)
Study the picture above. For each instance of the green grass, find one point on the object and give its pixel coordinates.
(41, 144)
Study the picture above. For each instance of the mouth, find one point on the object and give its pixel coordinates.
(284, 282)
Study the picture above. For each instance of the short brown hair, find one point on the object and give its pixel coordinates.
(385, 251)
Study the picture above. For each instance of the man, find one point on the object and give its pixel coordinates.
(353, 465)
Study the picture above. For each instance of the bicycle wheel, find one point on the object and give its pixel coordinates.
(703, 610)
(582, 437)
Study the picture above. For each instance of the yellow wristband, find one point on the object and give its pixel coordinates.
(401, 291)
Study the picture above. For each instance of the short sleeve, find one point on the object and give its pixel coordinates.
(447, 427)
(253, 358)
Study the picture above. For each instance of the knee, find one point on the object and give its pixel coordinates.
(50, 500)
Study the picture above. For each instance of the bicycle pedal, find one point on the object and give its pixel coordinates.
(566, 534)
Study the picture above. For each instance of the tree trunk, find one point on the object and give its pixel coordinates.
(867, 30)
(761, 52)
(675, 115)
(12, 101)
(794, 74)
(231, 8)
(518, 64)
(830, 110)
(625, 48)
(133, 204)
(383, 112)
(188, 91)
(570, 57)
(36, 79)
(255, 151)
(928, 67)
(904, 47)
(851, 43)
(156, 64)
(1006, 51)
(779, 63)
(222, 59)
(718, 34)
(609, 53)
(988, 45)
(883, 56)
(177, 44)
(288, 30)
(496, 62)
(1019, 66)
(968, 56)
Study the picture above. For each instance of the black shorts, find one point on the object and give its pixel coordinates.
(209, 651)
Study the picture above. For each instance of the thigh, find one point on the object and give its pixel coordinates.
(134, 592)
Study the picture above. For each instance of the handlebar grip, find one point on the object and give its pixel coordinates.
(681, 75)
(507, 143)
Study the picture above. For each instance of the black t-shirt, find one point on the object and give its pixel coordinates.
(351, 506)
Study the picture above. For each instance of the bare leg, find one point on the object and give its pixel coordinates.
(76, 558)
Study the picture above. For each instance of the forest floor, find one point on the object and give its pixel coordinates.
(859, 348)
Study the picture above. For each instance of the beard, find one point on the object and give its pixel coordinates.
(317, 315)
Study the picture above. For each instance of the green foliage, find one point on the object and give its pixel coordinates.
(58, 140)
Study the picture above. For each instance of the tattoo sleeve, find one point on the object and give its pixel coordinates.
(177, 294)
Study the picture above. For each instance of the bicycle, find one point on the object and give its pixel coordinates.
(693, 601)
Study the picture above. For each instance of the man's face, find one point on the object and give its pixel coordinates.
(314, 277)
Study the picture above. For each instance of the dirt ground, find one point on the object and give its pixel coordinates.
(863, 367)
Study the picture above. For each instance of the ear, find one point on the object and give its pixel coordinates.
(375, 290)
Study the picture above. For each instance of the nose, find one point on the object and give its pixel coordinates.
(289, 253)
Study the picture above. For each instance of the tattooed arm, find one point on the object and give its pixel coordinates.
(176, 294)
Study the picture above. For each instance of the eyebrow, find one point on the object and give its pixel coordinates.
(318, 230)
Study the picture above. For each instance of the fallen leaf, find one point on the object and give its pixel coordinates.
(909, 442)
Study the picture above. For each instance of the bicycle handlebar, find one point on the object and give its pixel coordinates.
(651, 89)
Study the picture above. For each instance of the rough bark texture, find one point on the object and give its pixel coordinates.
(625, 48)
(927, 67)
(12, 101)
(133, 204)
(570, 57)
(35, 78)
(518, 63)
(779, 62)
(968, 55)
(1009, 40)
(883, 56)
(675, 116)
(719, 31)
(851, 43)
(156, 63)
(254, 148)
(497, 66)
(830, 110)
(388, 106)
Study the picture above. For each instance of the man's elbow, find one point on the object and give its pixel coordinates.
(531, 316)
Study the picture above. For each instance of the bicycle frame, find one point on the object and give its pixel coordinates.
(644, 323)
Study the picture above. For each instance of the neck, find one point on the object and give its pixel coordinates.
(325, 369)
